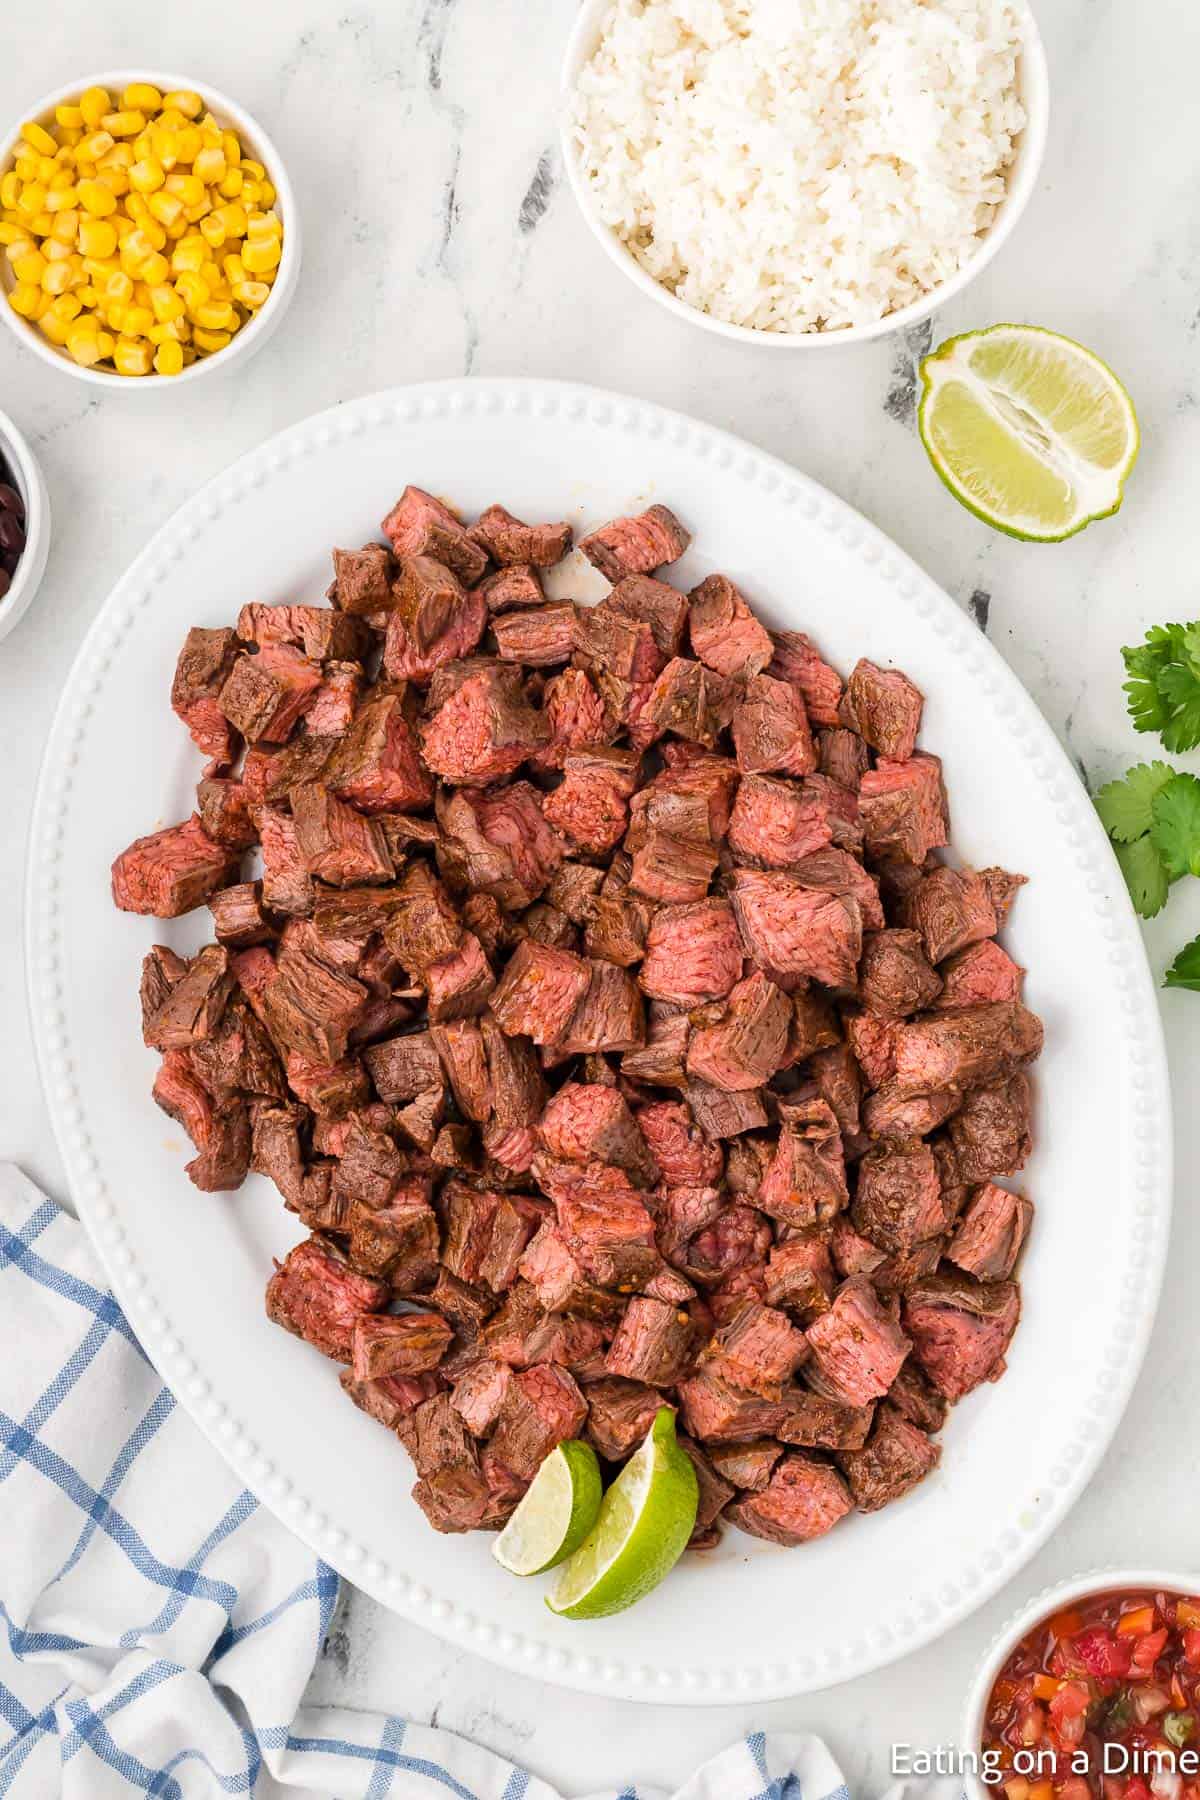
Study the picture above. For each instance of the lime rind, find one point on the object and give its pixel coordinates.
(1008, 426)
(555, 1515)
(646, 1519)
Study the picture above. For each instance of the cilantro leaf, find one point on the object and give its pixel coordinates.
(1175, 832)
(1164, 686)
(1145, 876)
(1178, 690)
(1185, 970)
(1125, 806)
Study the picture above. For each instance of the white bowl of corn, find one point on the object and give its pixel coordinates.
(148, 230)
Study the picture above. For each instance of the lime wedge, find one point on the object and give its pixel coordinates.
(556, 1514)
(1028, 429)
(646, 1519)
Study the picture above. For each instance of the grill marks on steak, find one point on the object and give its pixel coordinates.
(604, 1013)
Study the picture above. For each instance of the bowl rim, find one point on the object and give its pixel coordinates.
(1034, 76)
(1040, 1606)
(253, 335)
(32, 488)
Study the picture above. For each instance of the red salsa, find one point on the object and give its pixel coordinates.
(1101, 1702)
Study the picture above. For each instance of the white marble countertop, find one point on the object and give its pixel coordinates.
(440, 239)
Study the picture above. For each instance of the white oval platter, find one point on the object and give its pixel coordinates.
(749, 1621)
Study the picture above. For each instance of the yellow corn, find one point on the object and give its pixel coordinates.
(167, 304)
(27, 300)
(251, 294)
(67, 306)
(168, 358)
(54, 328)
(147, 175)
(124, 124)
(183, 100)
(32, 199)
(155, 269)
(131, 357)
(92, 148)
(10, 189)
(210, 341)
(93, 104)
(259, 258)
(116, 288)
(55, 250)
(189, 254)
(14, 234)
(66, 226)
(210, 166)
(60, 276)
(215, 315)
(30, 267)
(97, 237)
(232, 185)
(263, 225)
(192, 289)
(63, 199)
(69, 117)
(141, 96)
(97, 199)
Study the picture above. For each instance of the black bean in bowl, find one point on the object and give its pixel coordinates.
(12, 528)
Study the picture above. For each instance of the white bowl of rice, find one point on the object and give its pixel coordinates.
(804, 173)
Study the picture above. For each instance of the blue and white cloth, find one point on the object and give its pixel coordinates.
(157, 1626)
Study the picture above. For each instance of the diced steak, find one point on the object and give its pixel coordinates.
(800, 1276)
(896, 1456)
(539, 991)
(791, 930)
(798, 660)
(591, 808)
(193, 1004)
(588, 1123)
(408, 1344)
(541, 1407)
(316, 1295)
(200, 673)
(775, 824)
(721, 1113)
(724, 632)
(979, 976)
(951, 909)
(224, 811)
(990, 1131)
(894, 977)
(889, 1113)
(715, 1411)
(898, 1198)
(536, 636)
(435, 621)
(265, 696)
(172, 871)
(746, 1466)
(857, 1347)
(620, 1414)
(964, 1048)
(1003, 889)
(518, 585)
(653, 1343)
(419, 525)
(286, 878)
(460, 1046)
(758, 1350)
(339, 845)
(575, 715)
(458, 986)
(913, 1394)
(510, 541)
(748, 1044)
(310, 1008)
(684, 1156)
(771, 730)
(478, 1394)
(843, 756)
(903, 808)
(376, 766)
(817, 1423)
(884, 707)
(362, 580)
(960, 1329)
(805, 1182)
(636, 545)
(803, 1500)
(991, 1233)
(648, 602)
(484, 731)
(609, 1016)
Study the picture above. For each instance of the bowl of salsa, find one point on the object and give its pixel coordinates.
(1092, 1693)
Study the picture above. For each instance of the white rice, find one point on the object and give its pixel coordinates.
(800, 165)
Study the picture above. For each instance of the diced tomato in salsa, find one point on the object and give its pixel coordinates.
(1118, 1668)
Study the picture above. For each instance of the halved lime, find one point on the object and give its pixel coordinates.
(646, 1519)
(1028, 429)
(556, 1514)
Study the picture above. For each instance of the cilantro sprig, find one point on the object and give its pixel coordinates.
(1152, 816)
(1164, 684)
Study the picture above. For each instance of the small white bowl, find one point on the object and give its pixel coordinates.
(27, 479)
(1034, 88)
(1044, 1606)
(265, 322)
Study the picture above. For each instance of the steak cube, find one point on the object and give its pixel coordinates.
(539, 991)
(287, 880)
(420, 526)
(161, 969)
(672, 869)
(620, 1414)
(951, 909)
(693, 953)
(265, 696)
(898, 1200)
(404, 1067)
(664, 609)
(759, 1350)
(903, 808)
(225, 813)
(420, 926)
(713, 1495)
(873, 1042)
(725, 634)
(979, 976)
(537, 636)
(331, 712)
(961, 1049)
(775, 823)
(591, 807)
(991, 1233)
(820, 1424)
(723, 1114)
(541, 1408)
(339, 845)
(322, 634)
(834, 871)
(1003, 889)
(484, 731)
(409, 1344)
(814, 1026)
(194, 1004)
(478, 1394)
(686, 699)
(328, 1088)
(803, 1500)
(990, 1131)
(891, 1114)
(416, 643)
(317, 1296)
(376, 767)
(960, 1329)
(857, 1347)
(556, 1275)
(575, 715)
(843, 756)
(221, 1134)
(510, 541)
(362, 580)
(884, 707)
(588, 1123)
(518, 585)
(913, 1394)
(459, 985)
(464, 1059)
(654, 1343)
(200, 673)
(636, 545)
(798, 660)
(716, 1412)
(691, 775)
(608, 1016)
(805, 1183)
(660, 1061)
(800, 1276)
(746, 1466)
(607, 1228)
(684, 1155)
(239, 916)
(770, 729)
(172, 871)
(791, 930)
(894, 978)
(895, 1457)
(309, 1008)
(500, 843)
(746, 1047)
(839, 1083)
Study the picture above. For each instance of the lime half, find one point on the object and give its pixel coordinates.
(1028, 429)
(646, 1519)
(556, 1514)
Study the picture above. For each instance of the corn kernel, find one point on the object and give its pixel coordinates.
(188, 188)
(155, 269)
(66, 226)
(60, 276)
(93, 104)
(26, 164)
(212, 230)
(210, 166)
(97, 238)
(32, 199)
(147, 175)
(39, 137)
(190, 256)
(232, 185)
(191, 288)
(263, 225)
(54, 328)
(30, 267)
(62, 199)
(184, 101)
(141, 96)
(13, 234)
(10, 190)
(131, 357)
(168, 359)
(113, 177)
(251, 294)
(194, 214)
(54, 250)
(233, 269)
(108, 343)
(259, 258)
(92, 148)
(97, 199)
(167, 304)
(67, 306)
(167, 209)
(266, 193)
(210, 341)
(84, 347)
(124, 124)
(27, 300)
(251, 192)
(117, 288)
(41, 224)
(189, 143)
(137, 321)
(215, 315)
(69, 117)
(87, 295)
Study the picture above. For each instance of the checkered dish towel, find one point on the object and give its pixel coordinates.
(157, 1626)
